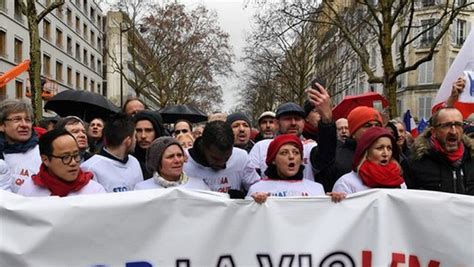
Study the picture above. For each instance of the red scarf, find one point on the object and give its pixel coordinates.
(56, 185)
(374, 175)
(453, 157)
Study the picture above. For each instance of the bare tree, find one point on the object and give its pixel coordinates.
(176, 55)
(394, 26)
(28, 8)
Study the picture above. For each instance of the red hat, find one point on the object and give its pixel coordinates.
(360, 116)
(278, 142)
(367, 139)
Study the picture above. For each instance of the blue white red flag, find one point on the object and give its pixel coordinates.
(410, 124)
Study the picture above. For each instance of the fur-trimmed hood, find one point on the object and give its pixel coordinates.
(422, 145)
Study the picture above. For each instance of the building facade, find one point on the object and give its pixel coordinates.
(416, 89)
(72, 38)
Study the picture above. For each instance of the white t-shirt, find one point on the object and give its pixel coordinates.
(5, 176)
(236, 175)
(29, 189)
(23, 166)
(192, 183)
(113, 175)
(258, 155)
(287, 188)
(351, 183)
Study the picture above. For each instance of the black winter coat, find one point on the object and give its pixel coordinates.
(430, 170)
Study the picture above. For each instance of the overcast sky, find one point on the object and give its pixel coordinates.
(234, 16)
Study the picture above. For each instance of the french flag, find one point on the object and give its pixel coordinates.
(410, 124)
(463, 65)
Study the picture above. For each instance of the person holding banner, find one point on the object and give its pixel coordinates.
(284, 175)
(165, 158)
(374, 164)
(60, 174)
(443, 155)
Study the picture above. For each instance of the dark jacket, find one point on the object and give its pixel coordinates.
(323, 156)
(140, 153)
(342, 156)
(429, 170)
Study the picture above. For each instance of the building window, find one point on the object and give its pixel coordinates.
(460, 32)
(59, 71)
(69, 76)
(46, 30)
(92, 86)
(99, 43)
(78, 52)
(425, 73)
(426, 3)
(3, 43)
(59, 12)
(59, 38)
(99, 66)
(2, 4)
(92, 62)
(17, 12)
(69, 17)
(85, 57)
(92, 14)
(92, 38)
(84, 6)
(18, 51)
(78, 25)
(19, 89)
(85, 31)
(69, 45)
(427, 36)
(78, 81)
(424, 107)
(98, 88)
(78, 4)
(47, 65)
(85, 83)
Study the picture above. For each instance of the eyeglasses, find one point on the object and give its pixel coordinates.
(450, 124)
(66, 159)
(17, 120)
(181, 131)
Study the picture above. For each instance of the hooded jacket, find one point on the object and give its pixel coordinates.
(429, 170)
(140, 153)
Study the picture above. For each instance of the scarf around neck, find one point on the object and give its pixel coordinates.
(7, 148)
(454, 158)
(56, 185)
(183, 178)
(377, 176)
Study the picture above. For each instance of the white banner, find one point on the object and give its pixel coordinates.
(184, 228)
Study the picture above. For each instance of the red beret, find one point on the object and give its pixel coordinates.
(367, 139)
(278, 142)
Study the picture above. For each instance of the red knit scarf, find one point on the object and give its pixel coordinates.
(374, 175)
(453, 157)
(56, 185)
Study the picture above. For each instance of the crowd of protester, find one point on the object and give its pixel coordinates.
(295, 151)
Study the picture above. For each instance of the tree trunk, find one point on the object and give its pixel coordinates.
(35, 65)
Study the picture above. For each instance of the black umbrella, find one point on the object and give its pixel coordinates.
(171, 114)
(83, 104)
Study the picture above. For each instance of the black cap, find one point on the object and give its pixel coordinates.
(290, 108)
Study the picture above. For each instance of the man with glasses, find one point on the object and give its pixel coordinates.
(59, 173)
(442, 157)
(77, 128)
(18, 141)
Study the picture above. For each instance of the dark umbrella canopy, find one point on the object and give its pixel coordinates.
(171, 114)
(350, 102)
(83, 104)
